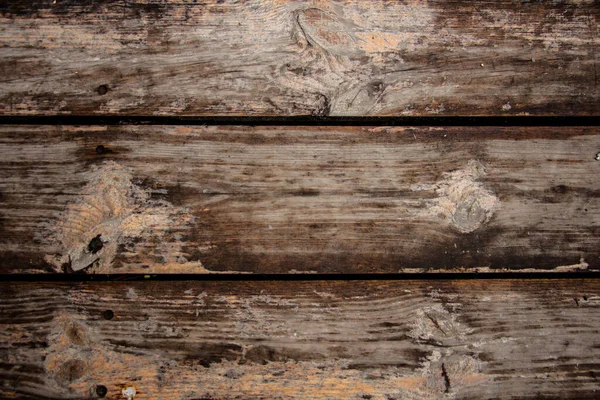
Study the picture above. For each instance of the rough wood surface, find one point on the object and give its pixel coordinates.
(289, 199)
(321, 57)
(318, 340)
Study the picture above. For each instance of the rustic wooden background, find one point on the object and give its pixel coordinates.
(297, 235)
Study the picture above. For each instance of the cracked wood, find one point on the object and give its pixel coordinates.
(160, 199)
(351, 340)
(321, 57)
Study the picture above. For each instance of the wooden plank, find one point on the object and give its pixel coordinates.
(321, 57)
(351, 340)
(298, 199)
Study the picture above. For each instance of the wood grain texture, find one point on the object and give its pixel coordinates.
(295, 340)
(298, 199)
(320, 57)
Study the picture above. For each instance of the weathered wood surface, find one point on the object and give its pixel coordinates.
(288, 199)
(321, 57)
(351, 340)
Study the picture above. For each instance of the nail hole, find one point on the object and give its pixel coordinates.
(584, 298)
(102, 90)
(108, 314)
(101, 390)
(95, 245)
(101, 150)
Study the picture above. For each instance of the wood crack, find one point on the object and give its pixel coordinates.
(446, 378)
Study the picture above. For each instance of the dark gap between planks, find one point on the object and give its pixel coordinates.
(81, 277)
(303, 120)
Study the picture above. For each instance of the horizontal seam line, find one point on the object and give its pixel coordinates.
(246, 277)
(304, 120)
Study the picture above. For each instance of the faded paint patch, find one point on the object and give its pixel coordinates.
(129, 392)
(453, 374)
(331, 32)
(338, 47)
(581, 266)
(65, 361)
(437, 324)
(462, 199)
(111, 211)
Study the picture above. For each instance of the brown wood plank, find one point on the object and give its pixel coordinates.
(298, 340)
(321, 57)
(298, 199)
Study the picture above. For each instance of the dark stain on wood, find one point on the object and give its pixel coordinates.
(75, 9)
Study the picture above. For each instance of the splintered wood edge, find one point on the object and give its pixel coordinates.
(355, 340)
